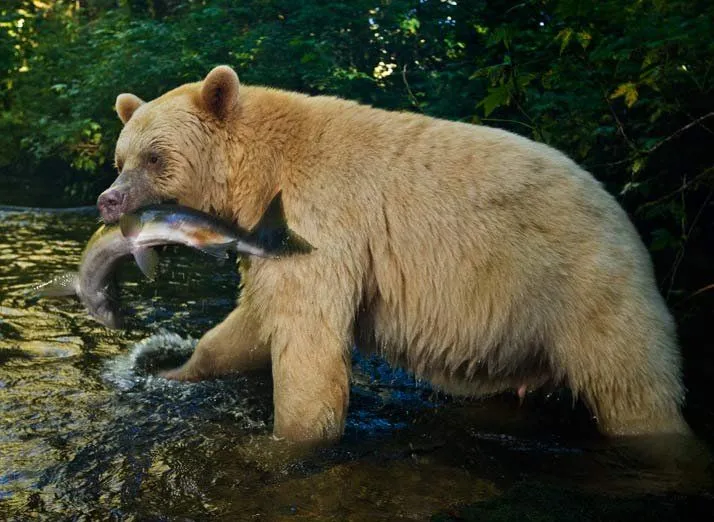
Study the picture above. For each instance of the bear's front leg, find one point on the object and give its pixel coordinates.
(231, 346)
(310, 383)
(311, 330)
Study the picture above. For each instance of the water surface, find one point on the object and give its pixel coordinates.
(89, 433)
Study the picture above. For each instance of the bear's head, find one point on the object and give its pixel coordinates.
(174, 147)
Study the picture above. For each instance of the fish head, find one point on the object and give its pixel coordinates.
(104, 308)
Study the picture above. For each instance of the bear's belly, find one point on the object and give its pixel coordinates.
(457, 369)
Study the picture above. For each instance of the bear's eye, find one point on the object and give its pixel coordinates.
(120, 164)
(153, 159)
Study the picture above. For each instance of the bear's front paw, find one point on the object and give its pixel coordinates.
(179, 374)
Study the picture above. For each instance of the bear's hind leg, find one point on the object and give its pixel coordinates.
(627, 369)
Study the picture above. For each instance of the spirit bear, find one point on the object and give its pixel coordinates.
(480, 260)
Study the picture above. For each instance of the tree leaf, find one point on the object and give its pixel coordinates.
(497, 96)
(629, 91)
(584, 38)
(564, 36)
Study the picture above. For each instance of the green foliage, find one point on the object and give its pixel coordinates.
(624, 88)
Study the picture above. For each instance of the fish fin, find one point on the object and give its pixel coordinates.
(148, 261)
(218, 250)
(130, 225)
(59, 286)
(273, 235)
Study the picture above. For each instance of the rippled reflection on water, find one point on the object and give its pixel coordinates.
(88, 431)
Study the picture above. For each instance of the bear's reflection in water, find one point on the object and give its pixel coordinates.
(89, 432)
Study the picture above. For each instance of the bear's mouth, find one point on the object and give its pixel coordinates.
(111, 215)
(132, 190)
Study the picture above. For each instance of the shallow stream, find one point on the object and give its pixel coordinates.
(88, 433)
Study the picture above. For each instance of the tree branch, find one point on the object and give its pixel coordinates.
(656, 146)
(678, 132)
(685, 185)
(412, 98)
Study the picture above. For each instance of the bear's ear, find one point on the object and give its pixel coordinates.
(126, 105)
(219, 91)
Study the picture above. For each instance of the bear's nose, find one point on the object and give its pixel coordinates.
(109, 201)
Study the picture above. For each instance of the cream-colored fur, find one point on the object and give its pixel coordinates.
(478, 259)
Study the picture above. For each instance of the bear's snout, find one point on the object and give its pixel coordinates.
(111, 205)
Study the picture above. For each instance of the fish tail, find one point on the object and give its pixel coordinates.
(62, 285)
(293, 243)
(273, 235)
(274, 243)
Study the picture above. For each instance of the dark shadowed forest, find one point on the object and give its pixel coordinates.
(624, 88)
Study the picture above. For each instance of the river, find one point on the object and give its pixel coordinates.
(89, 433)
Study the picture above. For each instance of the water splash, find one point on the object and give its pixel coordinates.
(134, 375)
(163, 349)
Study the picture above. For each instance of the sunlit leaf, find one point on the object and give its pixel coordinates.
(564, 37)
(410, 25)
(628, 90)
(638, 164)
(584, 38)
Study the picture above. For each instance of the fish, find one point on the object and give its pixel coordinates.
(136, 233)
